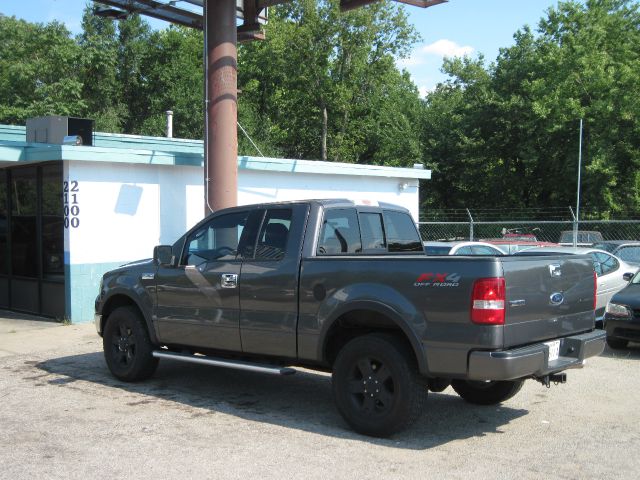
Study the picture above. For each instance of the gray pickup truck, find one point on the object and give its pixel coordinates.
(335, 286)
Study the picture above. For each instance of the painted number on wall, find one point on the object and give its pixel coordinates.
(70, 192)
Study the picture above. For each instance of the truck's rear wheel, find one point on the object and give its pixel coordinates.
(127, 347)
(486, 393)
(376, 385)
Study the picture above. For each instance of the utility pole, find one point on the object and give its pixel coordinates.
(577, 220)
(221, 105)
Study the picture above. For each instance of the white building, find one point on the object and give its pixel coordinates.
(70, 213)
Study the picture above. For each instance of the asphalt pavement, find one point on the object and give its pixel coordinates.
(64, 416)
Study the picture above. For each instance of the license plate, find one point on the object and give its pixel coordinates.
(554, 349)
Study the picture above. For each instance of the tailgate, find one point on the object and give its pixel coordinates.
(547, 297)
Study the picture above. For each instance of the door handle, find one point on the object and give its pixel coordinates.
(229, 280)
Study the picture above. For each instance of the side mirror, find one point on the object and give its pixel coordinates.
(628, 276)
(163, 255)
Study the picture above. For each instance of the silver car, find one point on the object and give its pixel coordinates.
(461, 248)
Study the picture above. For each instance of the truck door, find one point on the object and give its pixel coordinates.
(198, 302)
(269, 283)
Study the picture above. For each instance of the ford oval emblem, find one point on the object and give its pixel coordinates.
(556, 298)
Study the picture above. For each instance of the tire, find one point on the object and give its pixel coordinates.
(617, 343)
(376, 385)
(487, 393)
(127, 347)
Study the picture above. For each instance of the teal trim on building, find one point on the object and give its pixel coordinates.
(82, 289)
(138, 149)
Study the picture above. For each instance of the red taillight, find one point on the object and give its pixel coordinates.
(595, 290)
(487, 301)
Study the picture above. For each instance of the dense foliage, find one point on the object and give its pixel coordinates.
(507, 134)
(324, 85)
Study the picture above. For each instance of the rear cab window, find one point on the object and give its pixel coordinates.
(402, 234)
(353, 231)
(340, 232)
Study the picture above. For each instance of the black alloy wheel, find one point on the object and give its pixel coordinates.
(127, 348)
(376, 385)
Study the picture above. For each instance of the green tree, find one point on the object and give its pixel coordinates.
(514, 123)
(39, 67)
(324, 84)
(174, 80)
(101, 91)
(133, 45)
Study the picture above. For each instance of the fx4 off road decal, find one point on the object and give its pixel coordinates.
(438, 280)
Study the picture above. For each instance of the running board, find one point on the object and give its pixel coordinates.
(223, 362)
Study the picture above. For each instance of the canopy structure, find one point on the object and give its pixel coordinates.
(225, 22)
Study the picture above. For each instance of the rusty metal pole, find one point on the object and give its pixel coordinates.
(221, 134)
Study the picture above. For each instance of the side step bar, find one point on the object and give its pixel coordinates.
(223, 362)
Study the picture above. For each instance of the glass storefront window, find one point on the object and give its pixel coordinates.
(3, 222)
(52, 223)
(24, 250)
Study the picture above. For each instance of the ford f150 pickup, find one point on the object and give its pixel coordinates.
(336, 286)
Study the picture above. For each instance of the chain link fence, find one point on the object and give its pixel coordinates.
(545, 225)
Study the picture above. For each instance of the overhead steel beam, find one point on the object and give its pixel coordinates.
(159, 10)
(346, 5)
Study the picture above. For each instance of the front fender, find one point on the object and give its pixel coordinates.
(125, 289)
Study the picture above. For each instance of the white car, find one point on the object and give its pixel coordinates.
(613, 274)
(461, 248)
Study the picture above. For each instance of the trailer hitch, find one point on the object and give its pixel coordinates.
(556, 378)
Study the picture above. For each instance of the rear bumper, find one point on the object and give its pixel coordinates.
(533, 360)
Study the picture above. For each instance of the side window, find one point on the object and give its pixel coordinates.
(216, 240)
(484, 250)
(629, 254)
(372, 232)
(272, 240)
(402, 235)
(340, 232)
(609, 263)
(464, 251)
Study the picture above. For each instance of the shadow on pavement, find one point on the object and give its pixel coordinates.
(302, 401)
(631, 352)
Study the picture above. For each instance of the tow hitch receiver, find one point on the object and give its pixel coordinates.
(556, 378)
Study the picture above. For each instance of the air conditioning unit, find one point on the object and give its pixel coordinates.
(56, 130)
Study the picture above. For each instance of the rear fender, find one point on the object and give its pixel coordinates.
(380, 299)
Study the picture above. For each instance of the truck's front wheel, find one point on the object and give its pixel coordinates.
(376, 385)
(486, 393)
(127, 348)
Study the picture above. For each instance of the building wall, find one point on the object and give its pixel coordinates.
(117, 212)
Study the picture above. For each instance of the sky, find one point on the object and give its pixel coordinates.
(459, 27)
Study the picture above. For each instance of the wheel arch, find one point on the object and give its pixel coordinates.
(118, 300)
(363, 317)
